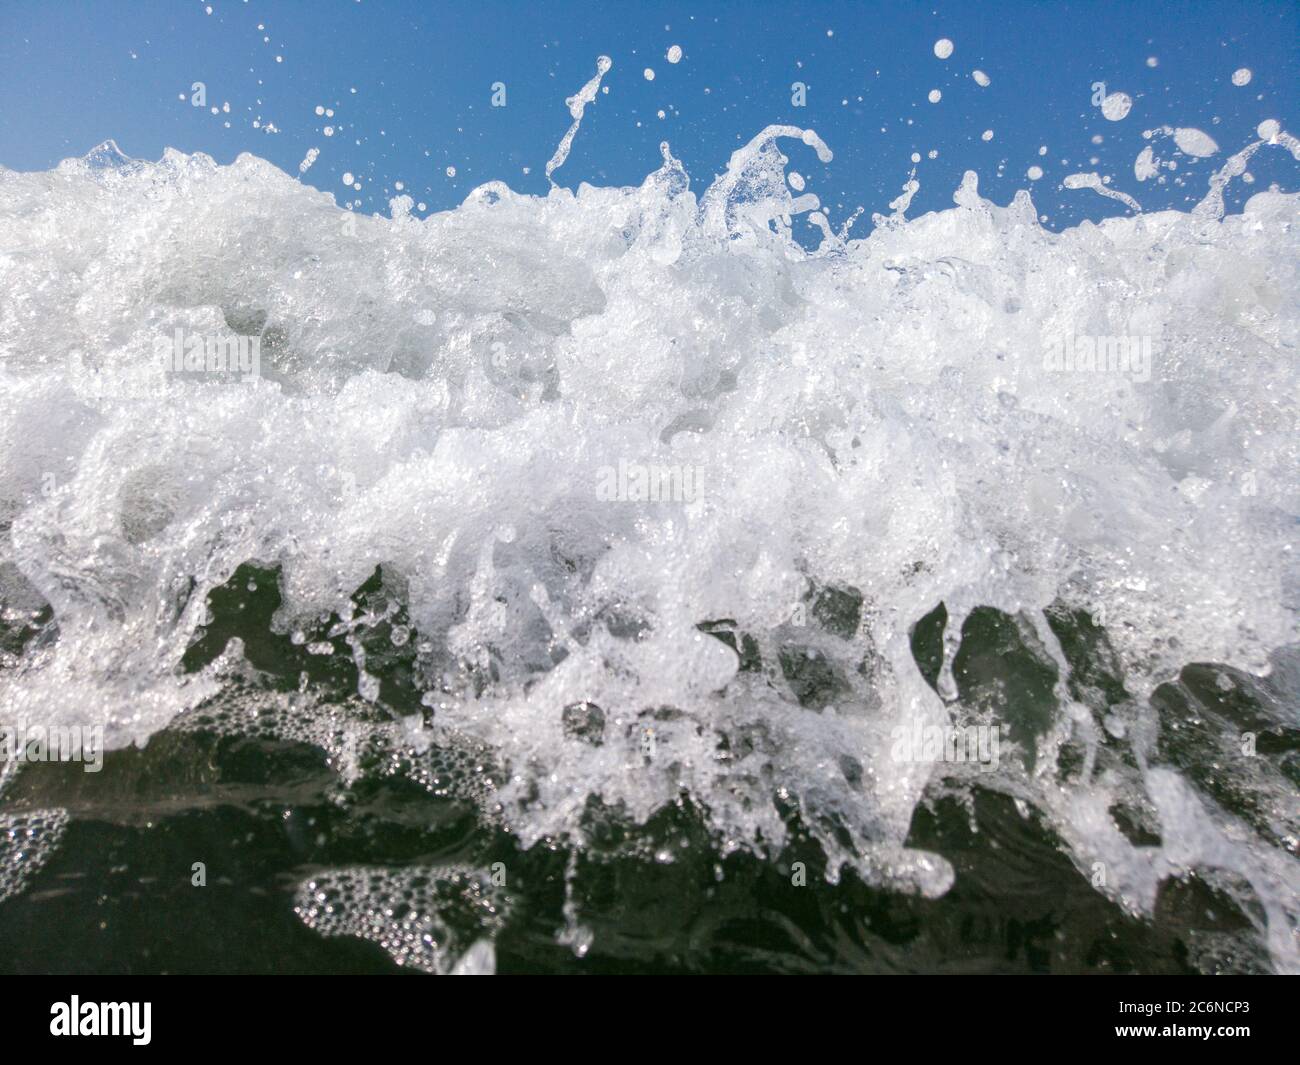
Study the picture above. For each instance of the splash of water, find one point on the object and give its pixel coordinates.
(659, 496)
(577, 105)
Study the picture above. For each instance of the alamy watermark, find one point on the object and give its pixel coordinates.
(20, 742)
(1129, 355)
(947, 743)
(641, 483)
(238, 358)
(77, 1018)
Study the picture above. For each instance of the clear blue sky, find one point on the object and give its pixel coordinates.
(75, 73)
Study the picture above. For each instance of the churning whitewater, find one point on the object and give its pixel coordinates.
(652, 501)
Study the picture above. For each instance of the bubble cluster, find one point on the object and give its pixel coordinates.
(26, 842)
(435, 919)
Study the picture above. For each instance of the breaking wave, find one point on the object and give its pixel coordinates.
(592, 502)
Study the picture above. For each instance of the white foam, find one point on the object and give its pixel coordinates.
(1116, 106)
(1195, 142)
(440, 396)
(1146, 165)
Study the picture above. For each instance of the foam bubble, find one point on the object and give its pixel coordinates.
(1195, 142)
(1146, 165)
(27, 841)
(437, 919)
(1116, 106)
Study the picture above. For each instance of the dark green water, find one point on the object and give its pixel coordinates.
(264, 814)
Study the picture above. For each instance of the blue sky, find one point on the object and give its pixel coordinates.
(75, 73)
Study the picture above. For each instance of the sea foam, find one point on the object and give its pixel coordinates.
(871, 428)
